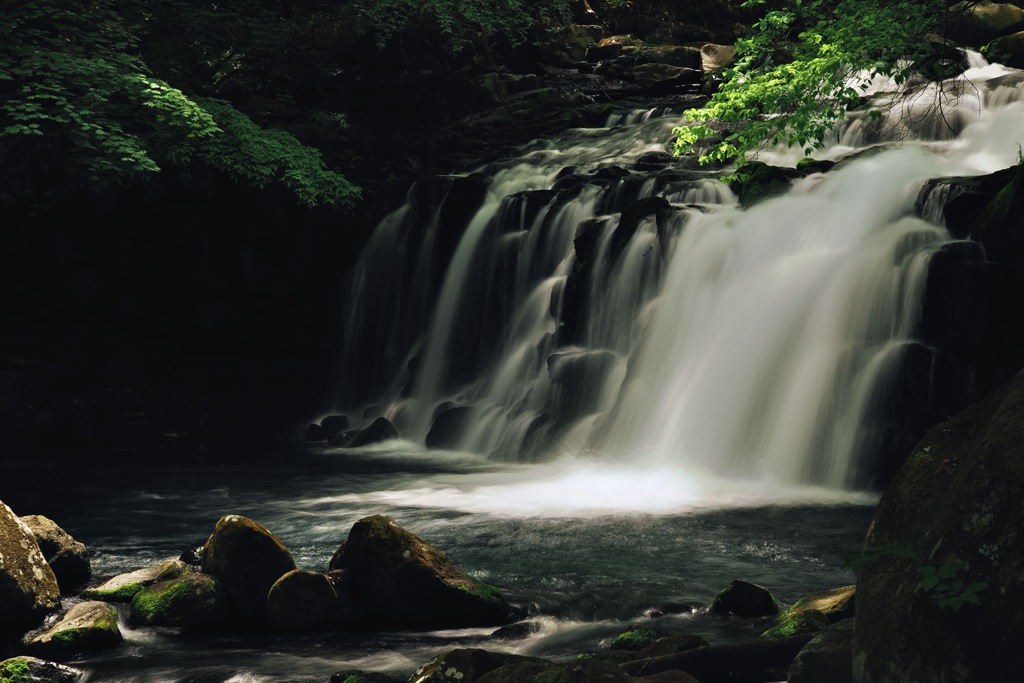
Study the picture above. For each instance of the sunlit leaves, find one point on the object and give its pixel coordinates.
(792, 80)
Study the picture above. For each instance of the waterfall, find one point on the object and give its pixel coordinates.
(591, 296)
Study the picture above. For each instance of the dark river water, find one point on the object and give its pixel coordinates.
(589, 548)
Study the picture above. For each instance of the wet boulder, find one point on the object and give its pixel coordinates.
(745, 599)
(466, 665)
(828, 657)
(1008, 50)
(521, 672)
(401, 581)
(359, 676)
(67, 557)
(379, 430)
(760, 181)
(195, 599)
(86, 627)
(123, 587)
(976, 23)
(247, 559)
(449, 425)
(33, 670)
(941, 593)
(28, 588)
(585, 671)
(837, 604)
(302, 599)
(660, 77)
(673, 644)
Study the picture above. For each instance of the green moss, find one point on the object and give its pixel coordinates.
(483, 591)
(795, 621)
(636, 638)
(122, 593)
(14, 671)
(177, 602)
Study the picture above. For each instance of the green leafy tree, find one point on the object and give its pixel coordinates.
(799, 72)
(78, 98)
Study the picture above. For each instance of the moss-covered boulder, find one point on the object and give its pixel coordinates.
(33, 670)
(941, 597)
(758, 181)
(1008, 50)
(87, 626)
(194, 599)
(67, 557)
(584, 671)
(247, 559)
(302, 599)
(795, 621)
(123, 587)
(745, 599)
(835, 603)
(400, 580)
(28, 588)
(467, 665)
(637, 637)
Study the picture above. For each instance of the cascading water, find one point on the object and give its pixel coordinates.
(591, 297)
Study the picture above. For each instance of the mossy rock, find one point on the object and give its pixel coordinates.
(759, 181)
(835, 603)
(794, 622)
(827, 657)
(365, 677)
(808, 165)
(584, 671)
(28, 588)
(467, 665)
(32, 670)
(193, 600)
(247, 559)
(955, 502)
(522, 672)
(123, 587)
(67, 557)
(745, 599)
(401, 581)
(636, 637)
(86, 627)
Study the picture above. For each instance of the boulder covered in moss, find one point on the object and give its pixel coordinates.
(467, 665)
(33, 670)
(674, 644)
(976, 23)
(401, 581)
(836, 604)
(87, 626)
(247, 559)
(28, 588)
(1008, 50)
(194, 599)
(745, 599)
(123, 587)
(67, 557)
(795, 621)
(302, 599)
(636, 637)
(941, 594)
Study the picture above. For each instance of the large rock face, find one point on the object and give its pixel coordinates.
(954, 505)
(28, 588)
(976, 23)
(67, 557)
(248, 559)
(400, 580)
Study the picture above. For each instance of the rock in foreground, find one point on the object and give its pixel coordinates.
(67, 557)
(32, 670)
(28, 588)
(401, 581)
(247, 559)
(956, 505)
(87, 626)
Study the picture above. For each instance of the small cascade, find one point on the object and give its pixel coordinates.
(596, 297)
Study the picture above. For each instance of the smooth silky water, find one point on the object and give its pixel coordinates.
(709, 420)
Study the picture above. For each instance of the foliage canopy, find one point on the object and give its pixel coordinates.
(799, 72)
(76, 90)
